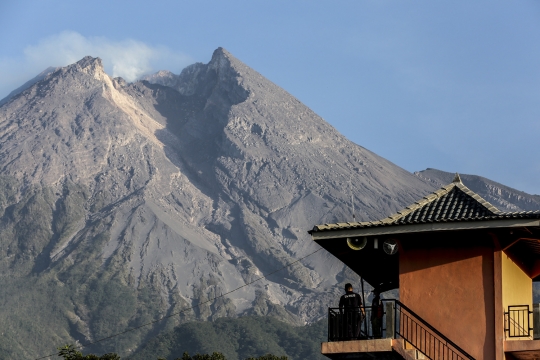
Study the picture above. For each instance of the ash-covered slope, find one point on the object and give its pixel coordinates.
(502, 197)
(277, 169)
(122, 202)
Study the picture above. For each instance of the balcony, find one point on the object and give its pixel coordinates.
(401, 334)
(345, 325)
(522, 332)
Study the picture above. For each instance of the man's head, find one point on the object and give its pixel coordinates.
(348, 287)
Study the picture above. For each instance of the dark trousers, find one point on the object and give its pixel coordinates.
(376, 327)
(352, 322)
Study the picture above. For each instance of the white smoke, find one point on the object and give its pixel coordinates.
(128, 58)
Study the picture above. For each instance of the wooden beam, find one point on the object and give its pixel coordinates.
(511, 243)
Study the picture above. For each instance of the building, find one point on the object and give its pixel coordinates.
(464, 272)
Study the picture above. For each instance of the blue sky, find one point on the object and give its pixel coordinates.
(453, 85)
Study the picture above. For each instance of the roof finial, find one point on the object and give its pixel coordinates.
(457, 179)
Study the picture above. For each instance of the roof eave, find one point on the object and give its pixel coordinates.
(414, 228)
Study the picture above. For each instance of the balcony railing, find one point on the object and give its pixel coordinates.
(396, 320)
(355, 324)
(518, 321)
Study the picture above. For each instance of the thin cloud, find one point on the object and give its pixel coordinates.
(129, 59)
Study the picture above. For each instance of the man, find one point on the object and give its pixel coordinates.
(351, 308)
(377, 312)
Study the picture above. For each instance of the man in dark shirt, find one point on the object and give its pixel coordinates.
(352, 311)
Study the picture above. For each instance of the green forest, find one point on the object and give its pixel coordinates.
(69, 352)
(238, 338)
(244, 338)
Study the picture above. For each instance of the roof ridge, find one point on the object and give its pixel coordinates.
(418, 204)
(436, 195)
(478, 198)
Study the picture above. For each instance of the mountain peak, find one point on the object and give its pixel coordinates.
(90, 65)
(89, 61)
(226, 64)
(221, 52)
(222, 59)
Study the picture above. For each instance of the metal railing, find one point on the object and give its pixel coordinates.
(424, 337)
(518, 322)
(400, 321)
(355, 324)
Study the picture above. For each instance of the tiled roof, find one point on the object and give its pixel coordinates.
(453, 202)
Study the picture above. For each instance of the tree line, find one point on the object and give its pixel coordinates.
(69, 352)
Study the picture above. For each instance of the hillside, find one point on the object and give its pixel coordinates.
(120, 203)
(125, 201)
(249, 336)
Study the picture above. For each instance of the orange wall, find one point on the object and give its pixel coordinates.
(452, 289)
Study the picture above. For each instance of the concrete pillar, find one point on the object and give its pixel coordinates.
(536, 321)
(390, 319)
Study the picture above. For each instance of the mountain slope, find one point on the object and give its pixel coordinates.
(123, 202)
(175, 195)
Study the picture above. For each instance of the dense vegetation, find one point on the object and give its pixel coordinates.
(249, 338)
(239, 338)
(69, 352)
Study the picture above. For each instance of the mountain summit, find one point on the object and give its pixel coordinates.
(124, 202)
